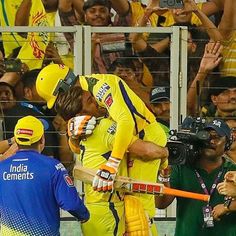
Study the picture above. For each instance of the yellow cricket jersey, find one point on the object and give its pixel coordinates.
(33, 50)
(228, 64)
(8, 9)
(123, 105)
(95, 151)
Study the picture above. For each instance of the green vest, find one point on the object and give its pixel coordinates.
(189, 216)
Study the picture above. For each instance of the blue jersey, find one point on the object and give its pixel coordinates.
(32, 189)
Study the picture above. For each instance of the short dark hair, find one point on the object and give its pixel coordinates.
(123, 62)
(29, 78)
(10, 86)
(69, 104)
(220, 84)
(29, 147)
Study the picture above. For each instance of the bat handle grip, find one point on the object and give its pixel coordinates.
(185, 194)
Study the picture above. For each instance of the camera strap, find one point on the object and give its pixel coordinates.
(203, 186)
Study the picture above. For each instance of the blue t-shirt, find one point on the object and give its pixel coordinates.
(32, 189)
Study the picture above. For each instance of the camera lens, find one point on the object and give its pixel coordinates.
(171, 2)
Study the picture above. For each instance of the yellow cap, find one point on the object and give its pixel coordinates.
(28, 130)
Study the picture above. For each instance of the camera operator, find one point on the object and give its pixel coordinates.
(202, 176)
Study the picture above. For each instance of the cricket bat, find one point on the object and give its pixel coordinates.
(130, 185)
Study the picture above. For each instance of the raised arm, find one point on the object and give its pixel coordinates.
(78, 6)
(138, 42)
(213, 32)
(120, 6)
(210, 60)
(212, 7)
(228, 21)
(23, 15)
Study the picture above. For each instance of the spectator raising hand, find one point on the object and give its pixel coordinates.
(211, 57)
(210, 60)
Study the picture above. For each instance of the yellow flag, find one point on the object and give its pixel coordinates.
(33, 50)
(8, 9)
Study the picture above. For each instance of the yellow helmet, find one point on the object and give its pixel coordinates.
(52, 80)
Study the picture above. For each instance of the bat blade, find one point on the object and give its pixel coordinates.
(127, 184)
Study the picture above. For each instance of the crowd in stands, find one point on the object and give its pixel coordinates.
(142, 60)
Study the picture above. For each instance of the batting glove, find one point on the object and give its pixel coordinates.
(81, 126)
(105, 176)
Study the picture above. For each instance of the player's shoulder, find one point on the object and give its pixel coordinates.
(52, 164)
(46, 160)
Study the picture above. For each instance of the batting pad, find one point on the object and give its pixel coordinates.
(135, 217)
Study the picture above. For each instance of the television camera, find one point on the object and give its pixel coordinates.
(184, 145)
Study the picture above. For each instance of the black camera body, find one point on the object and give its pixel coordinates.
(184, 145)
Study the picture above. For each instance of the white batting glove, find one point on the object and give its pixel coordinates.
(81, 126)
(105, 176)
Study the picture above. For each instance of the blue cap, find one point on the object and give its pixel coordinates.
(160, 94)
(220, 127)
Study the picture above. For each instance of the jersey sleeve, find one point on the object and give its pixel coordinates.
(109, 137)
(66, 194)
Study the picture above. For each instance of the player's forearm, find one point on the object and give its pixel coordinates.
(9, 152)
(65, 154)
(148, 150)
(4, 146)
(162, 202)
(74, 145)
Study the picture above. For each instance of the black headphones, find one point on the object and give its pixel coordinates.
(66, 84)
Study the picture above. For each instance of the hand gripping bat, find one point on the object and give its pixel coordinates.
(130, 185)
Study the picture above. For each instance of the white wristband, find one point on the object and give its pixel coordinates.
(163, 179)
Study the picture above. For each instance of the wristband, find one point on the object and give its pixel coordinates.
(227, 203)
(163, 179)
